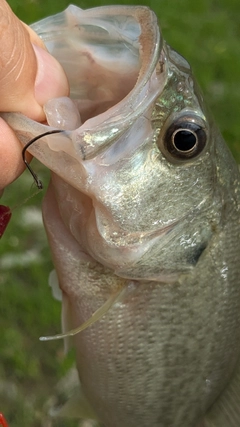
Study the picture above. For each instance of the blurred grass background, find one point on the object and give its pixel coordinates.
(207, 33)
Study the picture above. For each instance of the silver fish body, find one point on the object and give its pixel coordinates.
(144, 202)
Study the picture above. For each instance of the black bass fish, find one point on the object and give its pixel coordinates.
(142, 216)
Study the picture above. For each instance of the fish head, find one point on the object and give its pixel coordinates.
(139, 149)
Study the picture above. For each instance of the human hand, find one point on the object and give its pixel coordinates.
(29, 76)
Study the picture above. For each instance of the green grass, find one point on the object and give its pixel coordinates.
(207, 34)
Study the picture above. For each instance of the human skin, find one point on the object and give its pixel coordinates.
(29, 76)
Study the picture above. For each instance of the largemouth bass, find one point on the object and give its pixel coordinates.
(142, 216)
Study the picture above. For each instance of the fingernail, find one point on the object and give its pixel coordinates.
(51, 81)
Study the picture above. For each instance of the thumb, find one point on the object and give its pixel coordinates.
(29, 75)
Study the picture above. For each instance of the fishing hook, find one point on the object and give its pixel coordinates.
(34, 175)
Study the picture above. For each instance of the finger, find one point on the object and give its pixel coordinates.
(29, 76)
(33, 36)
(10, 155)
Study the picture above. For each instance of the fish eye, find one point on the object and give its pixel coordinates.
(185, 138)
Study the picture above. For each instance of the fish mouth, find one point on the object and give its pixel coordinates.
(111, 50)
(119, 72)
(111, 59)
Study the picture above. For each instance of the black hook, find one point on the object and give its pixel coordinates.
(34, 175)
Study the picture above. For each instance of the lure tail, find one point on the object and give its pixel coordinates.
(97, 315)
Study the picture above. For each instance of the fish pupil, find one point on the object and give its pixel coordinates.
(184, 140)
